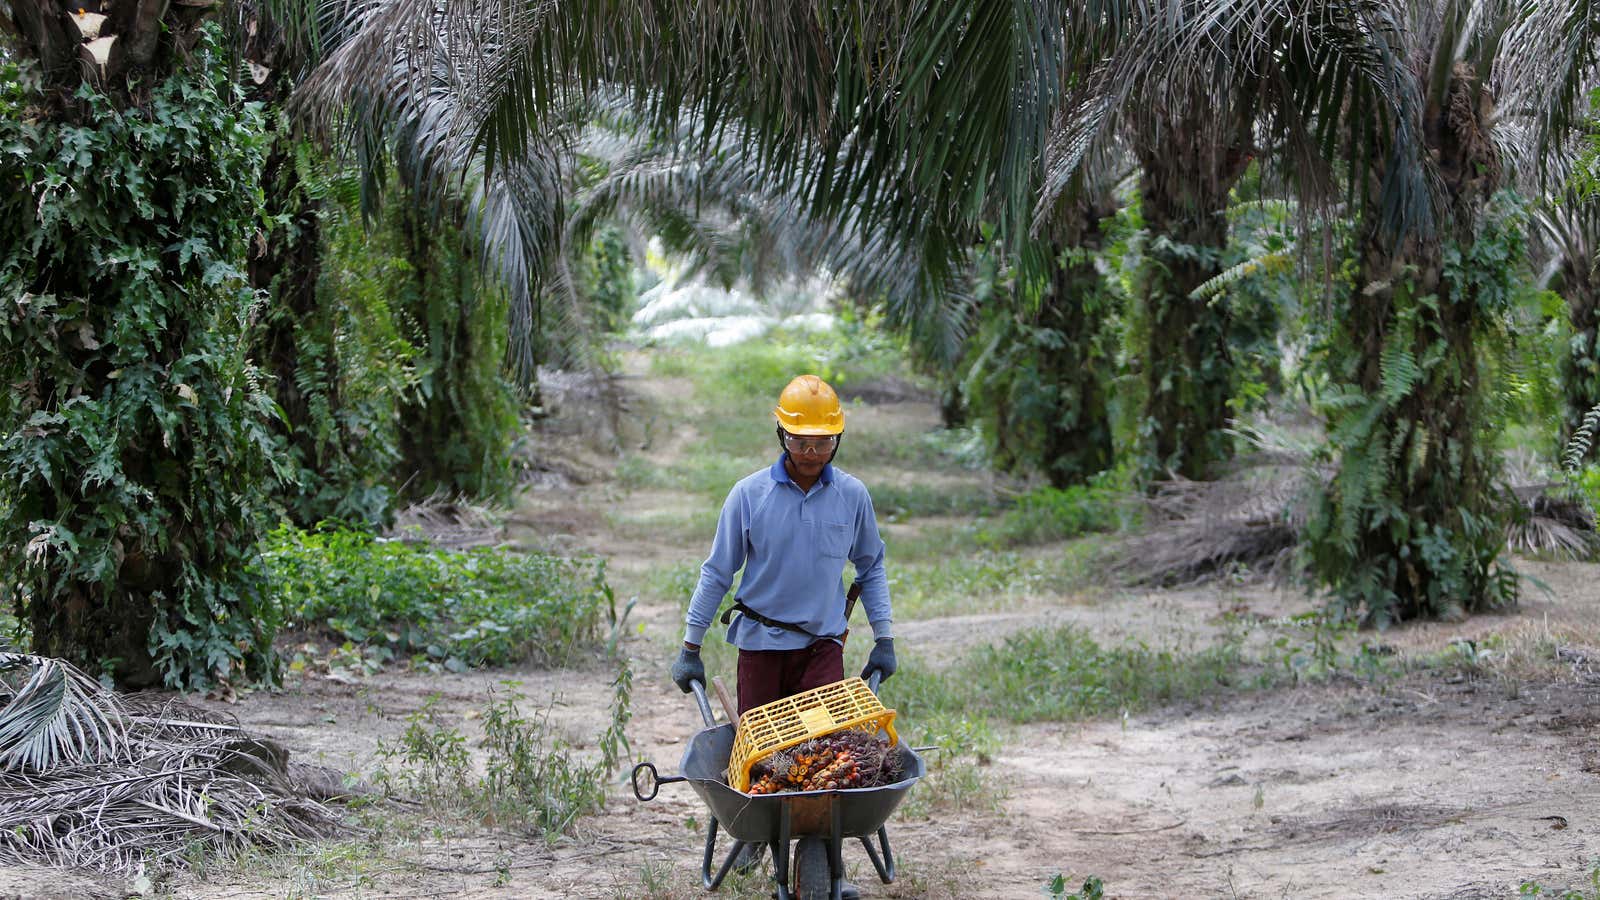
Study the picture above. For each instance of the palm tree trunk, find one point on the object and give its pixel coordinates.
(128, 526)
(456, 434)
(1420, 519)
(1187, 171)
(1580, 367)
(287, 264)
(1077, 440)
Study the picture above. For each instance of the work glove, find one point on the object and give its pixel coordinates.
(881, 660)
(688, 667)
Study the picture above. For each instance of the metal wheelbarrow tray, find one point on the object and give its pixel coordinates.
(820, 820)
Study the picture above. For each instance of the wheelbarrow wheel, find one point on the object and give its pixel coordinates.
(812, 880)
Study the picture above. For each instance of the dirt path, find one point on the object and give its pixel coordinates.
(1445, 782)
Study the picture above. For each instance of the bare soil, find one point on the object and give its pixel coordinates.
(1447, 782)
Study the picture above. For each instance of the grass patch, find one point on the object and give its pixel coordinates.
(959, 773)
(674, 582)
(1045, 515)
(707, 472)
(939, 449)
(928, 542)
(454, 609)
(854, 353)
(672, 525)
(960, 583)
(1062, 674)
(899, 501)
(358, 864)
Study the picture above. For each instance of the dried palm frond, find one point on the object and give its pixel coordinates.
(1556, 525)
(176, 778)
(445, 521)
(54, 715)
(1248, 523)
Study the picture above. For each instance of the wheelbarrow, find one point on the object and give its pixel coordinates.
(818, 821)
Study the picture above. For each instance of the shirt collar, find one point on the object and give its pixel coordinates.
(780, 474)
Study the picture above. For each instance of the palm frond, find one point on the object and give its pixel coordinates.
(182, 779)
(878, 111)
(55, 715)
(1552, 62)
(712, 202)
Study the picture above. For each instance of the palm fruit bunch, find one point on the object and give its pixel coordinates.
(843, 759)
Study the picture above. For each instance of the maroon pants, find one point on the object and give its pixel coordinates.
(768, 675)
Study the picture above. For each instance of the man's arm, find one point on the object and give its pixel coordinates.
(716, 574)
(867, 554)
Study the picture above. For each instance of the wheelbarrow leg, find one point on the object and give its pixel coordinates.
(780, 854)
(836, 851)
(706, 878)
(885, 865)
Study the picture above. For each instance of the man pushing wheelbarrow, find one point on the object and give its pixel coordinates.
(791, 527)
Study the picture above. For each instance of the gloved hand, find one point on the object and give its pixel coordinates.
(881, 660)
(688, 667)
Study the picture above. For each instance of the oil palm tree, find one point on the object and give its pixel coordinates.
(1567, 232)
(901, 114)
(128, 520)
(1394, 101)
(1193, 136)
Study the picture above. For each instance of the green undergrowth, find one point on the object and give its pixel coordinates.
(853, 354)
(961, 583)
(950, 450)
(925, 498)
(1046, 515)
(677, 524)
(531, 779)
(1091, 889)
(518, 773)
(960, 773)
(432, 607)
(1063, 674)
(707, 471)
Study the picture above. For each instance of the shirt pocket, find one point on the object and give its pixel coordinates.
(833, 538)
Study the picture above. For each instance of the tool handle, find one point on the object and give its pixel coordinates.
(728, 706)
(850, 598)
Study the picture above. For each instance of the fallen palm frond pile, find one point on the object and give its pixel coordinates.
(1248, 524)
(92, 779)
(444, 521)
(1555, 523)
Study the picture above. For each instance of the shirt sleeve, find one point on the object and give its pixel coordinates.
(716, 573)
(867, 554)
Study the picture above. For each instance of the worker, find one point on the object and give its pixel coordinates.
(791, 527)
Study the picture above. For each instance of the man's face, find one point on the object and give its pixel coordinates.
(809, 454)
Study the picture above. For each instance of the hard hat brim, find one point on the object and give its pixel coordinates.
(787, 422)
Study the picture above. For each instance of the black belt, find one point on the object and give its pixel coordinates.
(849, 604)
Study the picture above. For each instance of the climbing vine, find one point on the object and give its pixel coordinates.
(133, 427)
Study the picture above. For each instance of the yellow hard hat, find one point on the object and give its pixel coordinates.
(809, 406)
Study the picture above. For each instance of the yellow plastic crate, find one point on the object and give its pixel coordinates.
(784, 723)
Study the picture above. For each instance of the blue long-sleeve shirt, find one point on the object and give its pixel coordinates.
(792, 546)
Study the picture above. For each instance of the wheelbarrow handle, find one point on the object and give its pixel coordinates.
(699, 688)
(653, 785)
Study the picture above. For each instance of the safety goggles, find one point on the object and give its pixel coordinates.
(814, 446)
